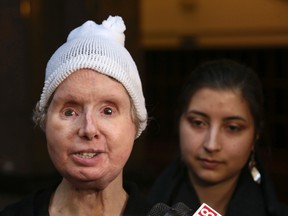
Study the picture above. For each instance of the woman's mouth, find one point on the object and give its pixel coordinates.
(86, 154)
(210, 164)
(87, 158)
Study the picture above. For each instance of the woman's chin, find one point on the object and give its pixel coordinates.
(89, 181)
(88, 184)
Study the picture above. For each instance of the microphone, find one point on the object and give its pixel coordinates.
(206, 210)
(161, 209)
(180, 209)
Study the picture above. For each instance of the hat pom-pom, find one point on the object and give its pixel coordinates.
(113, 29)
(115, 23)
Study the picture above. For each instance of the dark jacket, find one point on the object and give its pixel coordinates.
(249, 198)
(37, 204)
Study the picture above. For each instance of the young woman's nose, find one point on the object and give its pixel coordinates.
(88, 127)
(212, 142)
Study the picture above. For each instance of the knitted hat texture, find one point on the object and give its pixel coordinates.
(100, 48)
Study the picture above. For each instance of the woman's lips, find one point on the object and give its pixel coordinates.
(87, 158)
(209, 164)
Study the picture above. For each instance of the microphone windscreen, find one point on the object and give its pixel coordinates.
(160, 209)
(182, 209)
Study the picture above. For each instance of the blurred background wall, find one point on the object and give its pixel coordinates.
(167, 38)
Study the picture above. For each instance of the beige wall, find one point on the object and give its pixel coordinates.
(214, 23)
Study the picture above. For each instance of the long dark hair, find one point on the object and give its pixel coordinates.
(225, 74)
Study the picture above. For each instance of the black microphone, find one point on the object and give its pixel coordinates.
(178, 209)
(182, 209)
(161, 209)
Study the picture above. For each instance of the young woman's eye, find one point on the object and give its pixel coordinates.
(199, 123)
(233, 128)
(196, 122)
(69, 112)
(108, 111)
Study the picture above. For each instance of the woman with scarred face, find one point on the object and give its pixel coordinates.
(91, 109)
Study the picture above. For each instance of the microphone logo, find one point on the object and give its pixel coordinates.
(206, 210)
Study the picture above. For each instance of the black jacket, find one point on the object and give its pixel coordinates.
(249, 198)
(37, 204)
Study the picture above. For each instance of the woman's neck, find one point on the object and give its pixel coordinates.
(215, 195)
(68, 200)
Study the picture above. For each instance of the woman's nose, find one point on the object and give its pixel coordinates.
(212, 142)
(88, 127)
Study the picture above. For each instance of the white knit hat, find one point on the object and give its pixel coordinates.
(100, 48)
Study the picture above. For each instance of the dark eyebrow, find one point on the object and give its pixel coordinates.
(197, 113)
(229, 118)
